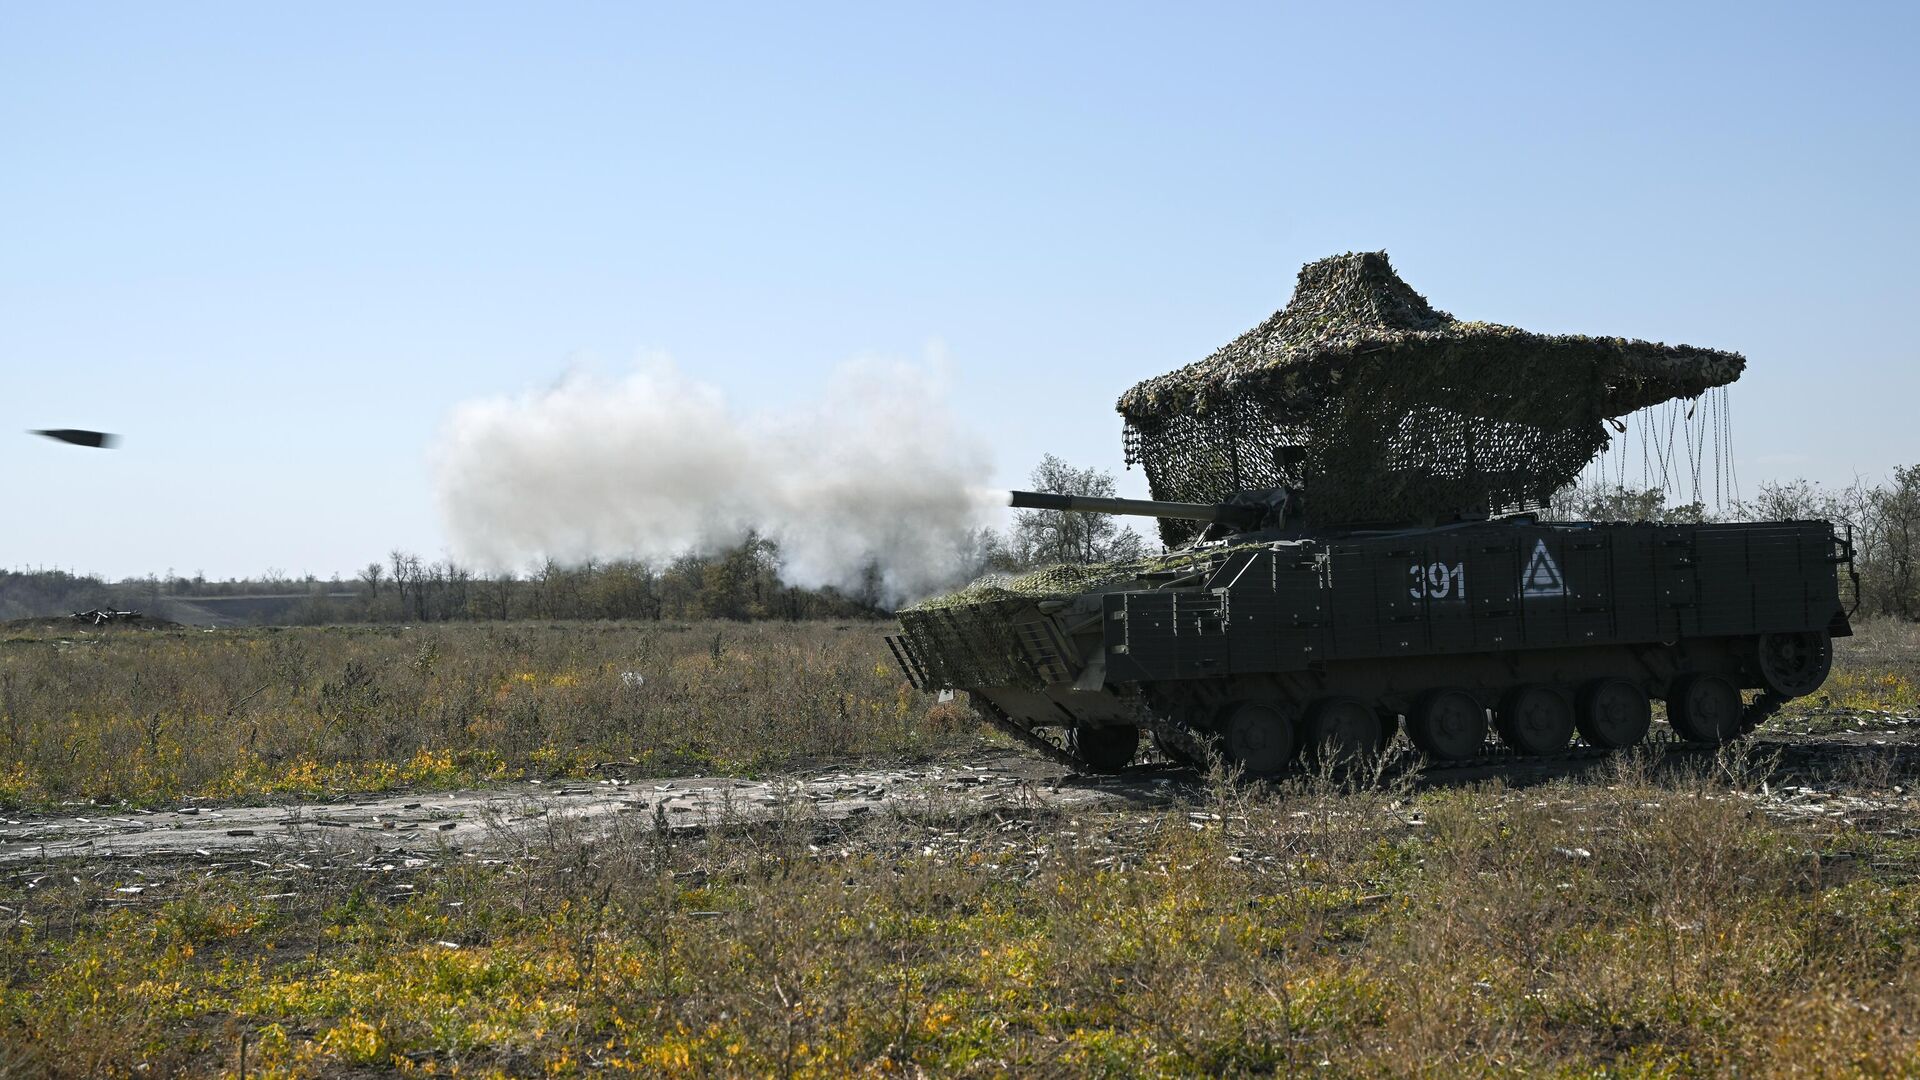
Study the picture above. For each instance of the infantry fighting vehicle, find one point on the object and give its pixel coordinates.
(1349, 494)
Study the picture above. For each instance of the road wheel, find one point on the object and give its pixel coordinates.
(1449, 725)
(1258, 736)
(1794, 665)
(1341, 730)
(1535, 719)
(1612, 714)
(1174, 753)
(1103, 749)
(1705, 708)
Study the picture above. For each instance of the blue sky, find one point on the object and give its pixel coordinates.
(276, 245)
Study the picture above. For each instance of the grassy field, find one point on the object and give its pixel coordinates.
(1875, 673)
(1644, 922)
(1641, 926)
(150, 716)
(147, 717)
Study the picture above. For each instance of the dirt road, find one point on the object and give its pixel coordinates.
(490, 817)
(1869, 770)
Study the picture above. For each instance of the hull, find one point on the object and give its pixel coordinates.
(1387, 621)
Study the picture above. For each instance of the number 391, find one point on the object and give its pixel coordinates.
(1438, 581)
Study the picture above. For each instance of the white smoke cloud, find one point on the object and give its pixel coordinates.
(655, 463)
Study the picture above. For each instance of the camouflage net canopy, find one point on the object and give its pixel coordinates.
(1384, 410)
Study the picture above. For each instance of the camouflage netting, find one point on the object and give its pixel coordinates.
(1382, 409)
(983, 635)
(1068, 579)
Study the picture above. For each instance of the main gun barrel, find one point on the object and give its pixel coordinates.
(1242, 516)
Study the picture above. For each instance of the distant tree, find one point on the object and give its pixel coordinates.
(545, 580)
(459, 581)
(871, 592)
(1616, 502)
(680, 586)
(1799, 500)
(625, 590)
(741, 582)
(399, 560)
(1893, 574)
(980, 551)
(371, 576)
(1062, 536)
(408, 577)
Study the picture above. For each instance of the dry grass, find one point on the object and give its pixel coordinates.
(1638, 927)
(149, 716)
(1876, 675)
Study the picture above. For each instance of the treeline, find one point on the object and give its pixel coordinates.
(742, 582)
(28, 593)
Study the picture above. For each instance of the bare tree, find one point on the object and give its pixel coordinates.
(371, 576)
(459, 579)
(406, 578)
(495, 593)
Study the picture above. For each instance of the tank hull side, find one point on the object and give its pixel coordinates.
(1475, 594)
(1385, 620)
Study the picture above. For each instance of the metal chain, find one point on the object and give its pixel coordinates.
(1028, 735)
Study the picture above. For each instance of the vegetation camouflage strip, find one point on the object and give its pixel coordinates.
(1070, 579)
(972, 636)
(1384, 409)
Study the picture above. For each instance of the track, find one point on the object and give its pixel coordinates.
(1194, 746)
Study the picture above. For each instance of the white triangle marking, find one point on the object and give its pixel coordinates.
(1542, 575)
